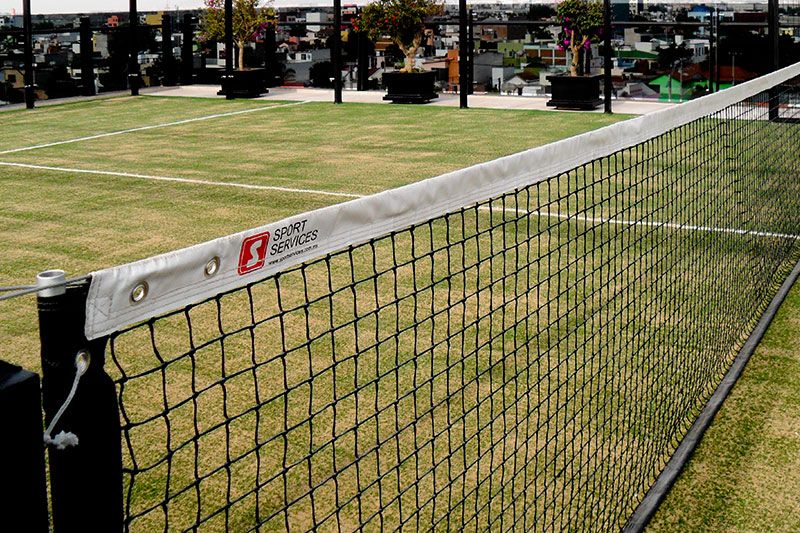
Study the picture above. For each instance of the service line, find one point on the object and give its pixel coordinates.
(151, 127)
(546, 214)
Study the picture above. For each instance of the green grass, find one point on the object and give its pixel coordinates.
(745, 474)
(545, 385)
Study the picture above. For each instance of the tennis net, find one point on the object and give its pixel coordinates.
(521, 344)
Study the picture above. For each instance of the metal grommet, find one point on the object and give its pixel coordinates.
(139, 292)
(212, 267)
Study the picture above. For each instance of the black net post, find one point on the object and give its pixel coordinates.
(87, 59)
(774, 31)
(607, 55)
(86, 478)
(187, 50)
(463, 60)
(27, 28)
(22, 477)
(167, 59)
(227, 78)
(336, 50)
(133, 49)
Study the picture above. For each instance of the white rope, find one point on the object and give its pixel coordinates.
(64, 439)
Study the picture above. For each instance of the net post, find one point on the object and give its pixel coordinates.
(27, 30)
(463, 58)
(187, 50)
(167, 60)
(90, 472)
(133, 51)
(23, 488)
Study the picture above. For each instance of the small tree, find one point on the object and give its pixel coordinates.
(403, 21)
(582, 24)
(249, 20)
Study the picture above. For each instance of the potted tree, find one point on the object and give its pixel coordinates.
(582, 24)
(250, 19)
(403, 21)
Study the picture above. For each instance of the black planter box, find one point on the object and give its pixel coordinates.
(410, 87)
(575, 92)
(248, 83)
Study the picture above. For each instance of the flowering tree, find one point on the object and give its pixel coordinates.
(403, 21)
(249, 20)
(582, 24)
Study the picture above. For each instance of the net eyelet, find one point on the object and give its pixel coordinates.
(139, 292)
(212, 267)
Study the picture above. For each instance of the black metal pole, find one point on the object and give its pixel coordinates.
(91, 470)
(712, 46)
(87, 53)
(270, 62)
(187, 50)
(716, 50)
(227, 81)
(133, 48)
(27, 28)
(470, 51)
(463, 59)
(337, 51)
(774, 57)
(167, 59)
(607, 55)
(23, 488)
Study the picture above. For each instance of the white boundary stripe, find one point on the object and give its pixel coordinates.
(547, 214)
(645, 223)
(191, 181)
(151, 127)
(177, 279)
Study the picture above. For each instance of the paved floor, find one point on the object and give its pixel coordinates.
(488, 101)
(628, 106)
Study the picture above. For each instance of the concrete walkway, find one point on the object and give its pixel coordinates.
(488, 101)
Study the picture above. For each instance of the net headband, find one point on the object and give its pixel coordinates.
(127, 294)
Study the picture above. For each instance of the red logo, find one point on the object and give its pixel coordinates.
(254, 253)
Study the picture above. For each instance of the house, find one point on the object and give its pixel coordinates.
(692, 80)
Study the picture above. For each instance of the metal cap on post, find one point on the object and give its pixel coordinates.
(86, 470)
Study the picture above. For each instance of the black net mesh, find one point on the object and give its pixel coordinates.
(531, 361)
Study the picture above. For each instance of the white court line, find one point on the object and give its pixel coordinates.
(547, 214)
(645, 223)
(152, 127)
(182, 180)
